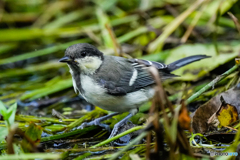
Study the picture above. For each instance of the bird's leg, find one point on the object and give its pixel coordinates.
(97, 121)
(119, 124)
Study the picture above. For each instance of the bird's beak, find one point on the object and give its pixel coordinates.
(65, 59)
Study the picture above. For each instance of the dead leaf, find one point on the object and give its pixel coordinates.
(183, 119)
(227, 113)
(34, 132)
(224, 116)
(213, 122)
(204, 112)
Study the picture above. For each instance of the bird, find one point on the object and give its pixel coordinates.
(115, 83)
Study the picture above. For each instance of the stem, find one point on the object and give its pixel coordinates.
(63, 135)
(212, 83)
(136, 140)
(118, 136)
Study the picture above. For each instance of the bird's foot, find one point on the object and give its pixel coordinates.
(119, 124)
(125, 139)
(95, 122)
(115, 130)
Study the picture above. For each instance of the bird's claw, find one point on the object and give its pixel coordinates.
(114, 131)
(83, 125)
(94, 123)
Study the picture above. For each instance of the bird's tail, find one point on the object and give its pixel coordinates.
(185, 61)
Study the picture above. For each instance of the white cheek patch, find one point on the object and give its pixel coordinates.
(134, 77)
(89, 64)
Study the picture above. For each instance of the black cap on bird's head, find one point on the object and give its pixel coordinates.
(83, 57)
(80, 50)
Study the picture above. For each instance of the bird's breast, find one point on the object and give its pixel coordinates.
(97, 95)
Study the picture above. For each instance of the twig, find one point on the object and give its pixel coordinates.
(230, 128)
(216, 28)
(212, 83)
(157, 44)
(235, 20)
(193, 23)
(9, 140)
(114, 40)
(118, 136)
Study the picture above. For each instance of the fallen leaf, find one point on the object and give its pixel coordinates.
(224, 116)
(183, 119)
(34, 132)
(207, 110)
(227, 113)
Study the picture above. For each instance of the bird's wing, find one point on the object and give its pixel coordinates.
(126, 75)
(129, 75)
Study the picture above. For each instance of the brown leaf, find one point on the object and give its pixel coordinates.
(183, 119)
(206, 111)
(227, 114)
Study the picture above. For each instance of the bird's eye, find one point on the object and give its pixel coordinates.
(83, 54)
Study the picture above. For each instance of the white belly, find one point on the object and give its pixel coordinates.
(97, 95)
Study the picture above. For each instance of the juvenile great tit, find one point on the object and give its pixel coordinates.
(114, 83)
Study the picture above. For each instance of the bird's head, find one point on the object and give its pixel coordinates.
(83, 57)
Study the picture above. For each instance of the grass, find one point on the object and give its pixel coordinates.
(34, 35)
